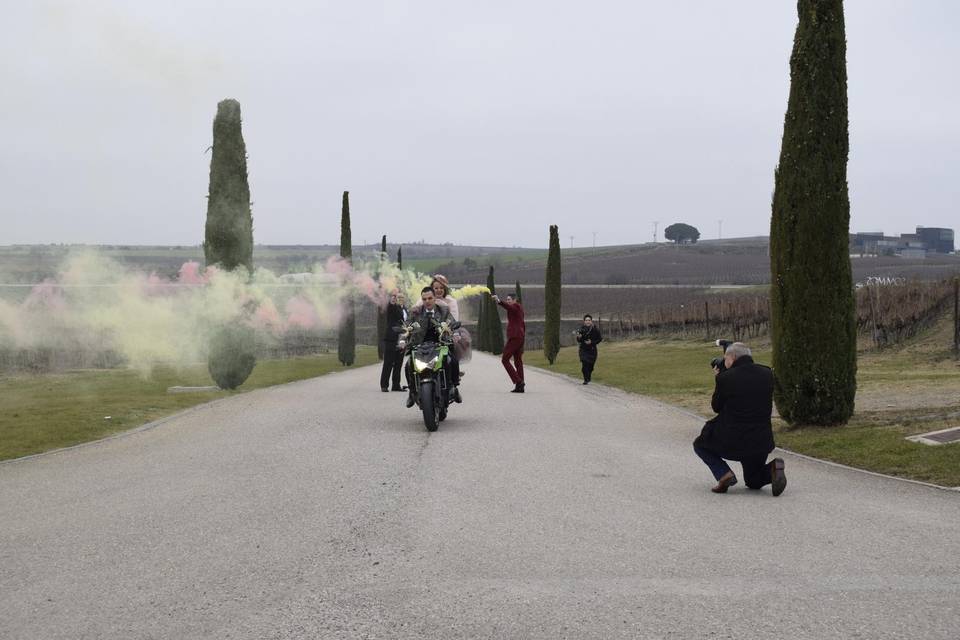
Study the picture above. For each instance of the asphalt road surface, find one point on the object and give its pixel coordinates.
(323, 509)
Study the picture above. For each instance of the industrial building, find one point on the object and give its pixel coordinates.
(912, 245)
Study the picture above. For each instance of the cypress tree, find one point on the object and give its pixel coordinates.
(228, 239)
(347, 342)
(811, 293)
(232, 355)
(519, 293)
(400, 258)
(492, 325)
(228, 243)
(382, 311)
(551, 295)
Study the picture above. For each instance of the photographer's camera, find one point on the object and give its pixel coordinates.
(718, 363)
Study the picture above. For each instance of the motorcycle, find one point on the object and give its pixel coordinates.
(428, 364)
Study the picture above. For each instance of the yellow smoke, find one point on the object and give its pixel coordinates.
(96, 305)
(469, 291)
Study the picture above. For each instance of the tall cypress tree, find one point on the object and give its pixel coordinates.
(382, 311)
(812, 301)
(492, 325)
(228, 243)
(347, 343)
(400, 258)
(519, 293)
(551, 299)
(228, 238)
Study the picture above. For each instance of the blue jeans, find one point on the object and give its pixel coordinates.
(717, 465)
(756, 473)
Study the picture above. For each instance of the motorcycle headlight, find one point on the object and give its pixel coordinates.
(423, 365)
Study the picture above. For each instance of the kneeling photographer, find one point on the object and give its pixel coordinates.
(741, 430)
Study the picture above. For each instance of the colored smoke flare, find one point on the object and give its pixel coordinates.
(95, 305)
(469, 291)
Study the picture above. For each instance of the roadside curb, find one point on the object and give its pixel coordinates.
(787, 451)
(161, 421)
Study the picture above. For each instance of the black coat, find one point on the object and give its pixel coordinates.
(428, 330)
(394, 323)
(588, 352)
(743, 400)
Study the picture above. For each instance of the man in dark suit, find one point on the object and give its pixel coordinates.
(743, 400)
(392, 356)
(428, 320)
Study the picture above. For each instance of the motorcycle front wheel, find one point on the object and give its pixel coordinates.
(444, 404)
(428, 405)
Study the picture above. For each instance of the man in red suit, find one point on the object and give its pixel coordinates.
(516, 332)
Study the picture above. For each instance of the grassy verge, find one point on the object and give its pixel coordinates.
(901, 392)
(43, 412)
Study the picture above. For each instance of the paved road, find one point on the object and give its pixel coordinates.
(322, 509)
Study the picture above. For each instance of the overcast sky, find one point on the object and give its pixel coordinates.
(473, 123)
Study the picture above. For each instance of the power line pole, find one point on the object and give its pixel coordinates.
(571, 242)
(655, 224)
(594, 240)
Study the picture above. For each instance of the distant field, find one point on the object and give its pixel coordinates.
(742, 261)
(704, 264)
(35, 263)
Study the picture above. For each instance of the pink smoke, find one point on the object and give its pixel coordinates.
(362, 282)
(267, 318)
(46, 297)
(369, 287)
(301, 314)
(153, 285)
(190, 273)
(338, 266)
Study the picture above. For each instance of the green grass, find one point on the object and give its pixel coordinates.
(678, 373)
(675, 371)
(427, 266)
(879, 447)
(43, 412)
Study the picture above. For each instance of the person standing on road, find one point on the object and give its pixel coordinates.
(516, 335)
(588, 337)
(741, 430)
(392, 356)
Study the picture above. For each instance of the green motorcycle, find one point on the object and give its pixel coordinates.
(429, 371)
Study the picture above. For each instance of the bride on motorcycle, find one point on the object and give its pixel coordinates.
(441, 293)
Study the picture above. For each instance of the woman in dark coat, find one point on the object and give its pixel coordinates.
(588, 337)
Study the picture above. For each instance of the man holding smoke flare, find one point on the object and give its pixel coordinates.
(516, 335)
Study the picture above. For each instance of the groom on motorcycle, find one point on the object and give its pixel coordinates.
(429, 318)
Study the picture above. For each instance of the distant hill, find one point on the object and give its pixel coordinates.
(709, 262)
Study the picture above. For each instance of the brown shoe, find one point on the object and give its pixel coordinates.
(725, 482)
(778, 479)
